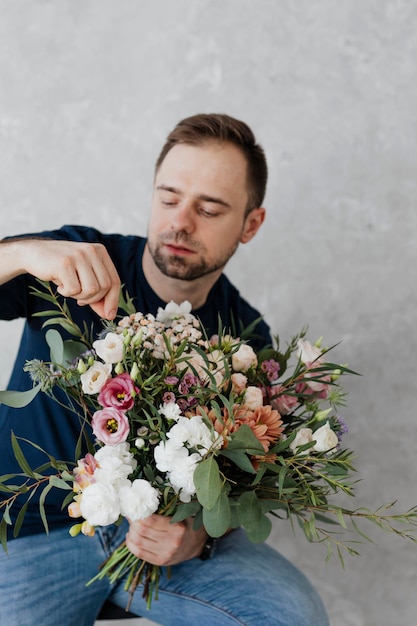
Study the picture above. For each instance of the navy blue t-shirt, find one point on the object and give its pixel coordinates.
(46, 423)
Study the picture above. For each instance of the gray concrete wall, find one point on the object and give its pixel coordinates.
(88, 91)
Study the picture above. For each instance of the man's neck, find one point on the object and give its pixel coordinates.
(167, 288)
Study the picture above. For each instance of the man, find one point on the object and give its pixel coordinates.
(208, 191)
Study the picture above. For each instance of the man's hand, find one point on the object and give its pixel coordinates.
(81, 270)
(159, 542)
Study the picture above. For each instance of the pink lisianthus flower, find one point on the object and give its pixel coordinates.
(118, 392)
(110, 426)
(282, 402)
(317, 388)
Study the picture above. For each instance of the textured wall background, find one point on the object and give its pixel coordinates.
(88, 91)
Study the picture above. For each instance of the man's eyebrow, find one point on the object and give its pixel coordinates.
(204, 197)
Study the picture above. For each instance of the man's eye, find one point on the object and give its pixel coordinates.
(208, 213)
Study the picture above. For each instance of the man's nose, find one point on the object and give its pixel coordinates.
(183, 217)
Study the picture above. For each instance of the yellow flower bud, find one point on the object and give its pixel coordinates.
(134, 372)
(75, 530)
(81, 367)
(137, 339)
(119, 369)
(321, 415)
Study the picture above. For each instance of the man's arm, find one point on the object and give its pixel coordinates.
(80, 270)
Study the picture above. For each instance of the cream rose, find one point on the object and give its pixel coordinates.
(253, 397)
(307, 352)
(239, 382)
(94, 378)
(110, 349)
(244, 358)
(303, 436)
(325, 438)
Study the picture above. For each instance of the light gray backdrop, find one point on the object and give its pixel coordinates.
(88, 91)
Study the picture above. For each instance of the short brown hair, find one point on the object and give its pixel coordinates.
(205, 127)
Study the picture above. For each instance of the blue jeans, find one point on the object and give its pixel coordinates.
(42, 581)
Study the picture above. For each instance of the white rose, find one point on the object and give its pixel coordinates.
(173, 311)
(138, 499)
(239, 382)
(110, 349)
(100, 504)
(253, 397)
(303, 436)
(308, 353)
(243, 358)
(94, 378)
(196, 364)
(325, 438)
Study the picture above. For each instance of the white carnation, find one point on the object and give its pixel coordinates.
(167, 454)
(138, 499)
(192, 431)
(115, 463)
(181, 477)
(100, 504)
(170, 410)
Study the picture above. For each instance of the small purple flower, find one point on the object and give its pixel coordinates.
(171, 380)
(190, 379)
(271, 368)
(340, 427)
(182, 403)
(183, 388)
(168, 397)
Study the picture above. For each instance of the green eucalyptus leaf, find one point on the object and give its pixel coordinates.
(19, 519)
(250, 510)
(19, 399)
(239, 458)
(188, 509)
(3, 534)
(244, 439)
(217, 519)
(63, 322)
(43, 495)
(56, 345)
(207, 482)
(6, 516)
(56, 481)
(261, 531)
(21, 459)
(72, 350)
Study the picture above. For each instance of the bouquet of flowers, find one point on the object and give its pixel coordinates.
(187, 425)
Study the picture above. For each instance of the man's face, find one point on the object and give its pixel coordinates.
(198, 209)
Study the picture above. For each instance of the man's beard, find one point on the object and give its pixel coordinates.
(182, 268)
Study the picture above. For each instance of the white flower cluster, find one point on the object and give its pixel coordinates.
(173, 456)
(109, 493)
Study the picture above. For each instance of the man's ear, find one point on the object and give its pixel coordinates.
(252, 224)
